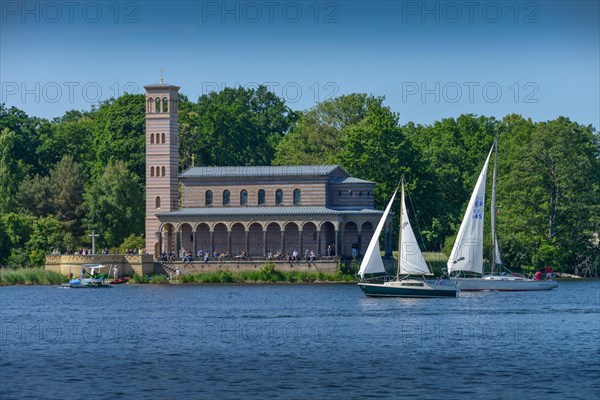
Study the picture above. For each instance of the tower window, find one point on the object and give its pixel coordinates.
(208, 198)
(152, 138)
(244, 197)
(165, 105)
(163, 137)
(163, 171)
(226, 197)
(151, 171)
(157, 104)
(157, 201)
(278, 196)
(297, 196)
(261, 196)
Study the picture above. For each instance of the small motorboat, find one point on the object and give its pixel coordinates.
(119, 280)
(95, 280)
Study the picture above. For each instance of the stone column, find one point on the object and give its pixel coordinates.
(229, 242)
(194, 243)
(264, 243)
(300, 236)
(283, 242)
(247, 243)
(337, 243)
(318, 243)
(212, 242)
(159, 239)
(176, 250)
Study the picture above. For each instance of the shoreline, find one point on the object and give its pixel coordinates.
(281, 282)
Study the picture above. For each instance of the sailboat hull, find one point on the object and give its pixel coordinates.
(407, 289)
(502, 283)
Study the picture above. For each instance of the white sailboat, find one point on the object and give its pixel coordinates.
(410, 262)
(467, 252)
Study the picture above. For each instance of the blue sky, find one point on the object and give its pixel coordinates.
(430, 60)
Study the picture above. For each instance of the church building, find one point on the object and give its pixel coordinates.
(253, 210)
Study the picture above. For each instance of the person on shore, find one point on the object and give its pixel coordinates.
(206, 257)
(177, 273)
(115, 272)
(548, 272)
(82, 272)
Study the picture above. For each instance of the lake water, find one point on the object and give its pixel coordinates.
(297, 342)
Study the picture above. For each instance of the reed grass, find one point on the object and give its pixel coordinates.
(30, 276)
(267, 274)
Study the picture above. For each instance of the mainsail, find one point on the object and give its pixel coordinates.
(467, 252)
(372, 262)
(411, 258)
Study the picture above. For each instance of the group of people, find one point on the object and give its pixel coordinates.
(547, 270)
(188, 257)
(309, 256)
(331, 249)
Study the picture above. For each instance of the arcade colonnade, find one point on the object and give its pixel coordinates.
(350, 238)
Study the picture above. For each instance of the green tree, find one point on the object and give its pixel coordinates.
(452, 152)
(11, 171)
(133, 242)
(235, 126)
(72, 135)
(115, 203)
(67, 187)
(550, 192)
(315, 138)
(16, 231)
(47, 234)
(35, 196)
(119, 134)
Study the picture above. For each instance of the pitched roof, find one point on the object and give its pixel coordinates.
(267, 211)
(247, 171)
(350, 179)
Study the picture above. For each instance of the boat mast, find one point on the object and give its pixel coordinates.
(493, 208)
(400, 230)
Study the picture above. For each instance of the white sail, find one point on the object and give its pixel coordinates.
(372, 262)
(467, 252)
(498, 258)
(411, 258)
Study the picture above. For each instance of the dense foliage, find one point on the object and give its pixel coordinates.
(84, 171)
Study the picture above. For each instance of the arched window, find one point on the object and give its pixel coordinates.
(152, 138)
(165, 105)
(150, 104)
(226, 197)
(163, 137)
(157, 104)
(208, 198)
(278, 196)
(163, 171)
(151, 171)
(157, 201)
(244, 197)
(297, 196)
(261, 196)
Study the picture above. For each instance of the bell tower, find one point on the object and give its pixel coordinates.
(162, 158)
